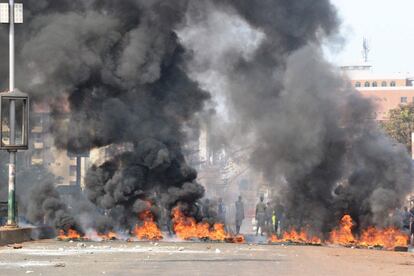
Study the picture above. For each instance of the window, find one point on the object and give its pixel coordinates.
(367, 84)
(357, 84)
(72, 171)
(374, 84)
(404, 100)
(392, 84)
(384, 84)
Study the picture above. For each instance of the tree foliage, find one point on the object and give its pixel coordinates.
(401, 124)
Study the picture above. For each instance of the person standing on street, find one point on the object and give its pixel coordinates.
(239, 214)
(275, 222)
(406, 219)
(205, 209)
(412, 226)
(221, 211)
(260, 216)
(268, 218)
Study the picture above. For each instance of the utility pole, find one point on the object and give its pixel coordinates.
(11, 218)
(12, 13)
(365, 50)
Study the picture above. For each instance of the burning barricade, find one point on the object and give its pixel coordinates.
(389, 238)
(294, 237)
(185, 228)
(149, 230)
(343, 235)
(69, 235)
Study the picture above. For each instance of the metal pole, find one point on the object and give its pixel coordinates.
(11, 220)
(11, 45)
(78, 172)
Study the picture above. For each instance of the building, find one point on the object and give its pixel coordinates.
(42, 151)
(388, 91)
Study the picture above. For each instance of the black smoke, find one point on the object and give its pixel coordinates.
(117, 72)
(315, 138)
(154, 176)
(114, 73)
(39, 201)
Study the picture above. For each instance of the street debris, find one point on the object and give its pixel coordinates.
(15, 246)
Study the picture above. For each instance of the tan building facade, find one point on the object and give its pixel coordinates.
(388, 91)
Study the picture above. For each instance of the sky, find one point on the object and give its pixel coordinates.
(389, 27)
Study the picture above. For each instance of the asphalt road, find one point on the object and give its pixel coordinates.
(142, 258)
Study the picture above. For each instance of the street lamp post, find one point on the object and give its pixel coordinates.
(12, 13)
(11, 214)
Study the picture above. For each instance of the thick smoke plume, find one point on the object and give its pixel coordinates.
(117, 72)
(155, 173)
(314, 136)
(114, 72)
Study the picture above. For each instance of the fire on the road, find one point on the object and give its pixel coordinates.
(149, 229)
(343, 235)
(293, 236)
(388, 238)
(69, 235)
(91, 235)
(185, 228)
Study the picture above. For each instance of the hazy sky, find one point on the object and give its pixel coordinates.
(389, 27)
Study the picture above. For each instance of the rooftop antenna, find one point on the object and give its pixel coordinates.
(365, 49)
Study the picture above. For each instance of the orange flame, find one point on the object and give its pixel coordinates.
(108, 236)
(343, 235)
(69, 235)
(388, 238)
(149, 229)
(238, 239)
(95, 236)
(296, 237)
(187, 228)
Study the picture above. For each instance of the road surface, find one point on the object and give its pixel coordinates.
(143, 258)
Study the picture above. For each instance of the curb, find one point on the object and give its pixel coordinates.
(19, 235)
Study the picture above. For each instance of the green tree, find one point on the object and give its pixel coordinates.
(401, 124)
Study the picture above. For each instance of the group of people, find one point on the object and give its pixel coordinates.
(219, 212)
(266, 219)
(266, 216)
